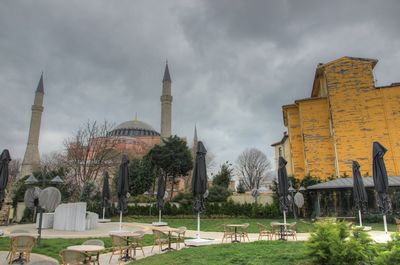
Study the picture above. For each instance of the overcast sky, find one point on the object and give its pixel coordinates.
(233, 63)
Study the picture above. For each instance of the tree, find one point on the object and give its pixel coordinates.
(91, 151)
(224, 176)
(253, 167)
(173, 157)
(141, 176)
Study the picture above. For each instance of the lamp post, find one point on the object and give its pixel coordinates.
(43, 181)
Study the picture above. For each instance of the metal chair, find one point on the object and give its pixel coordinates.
(73, 257)
(263, 231)
(21, 246)
(119, 245)
(137, 242)
(160, 238)
(94, 242)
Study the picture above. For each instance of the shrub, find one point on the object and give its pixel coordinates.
(391, 253)
(327, 245)
(218, 194)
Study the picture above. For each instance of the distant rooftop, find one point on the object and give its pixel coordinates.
(345, 183)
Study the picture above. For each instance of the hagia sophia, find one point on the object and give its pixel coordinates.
(134, 137)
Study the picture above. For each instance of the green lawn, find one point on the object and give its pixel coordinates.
(303, 226)
(52, 247)
(260, 252)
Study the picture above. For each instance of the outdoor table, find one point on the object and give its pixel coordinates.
(127, 234)
(235, 226)
(282, 228)
(87, 249)
(169, 230)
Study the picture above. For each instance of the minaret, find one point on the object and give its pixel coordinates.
(194, 151)
(166, 104)
(31, 160)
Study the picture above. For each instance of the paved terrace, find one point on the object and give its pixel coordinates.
(103, 230)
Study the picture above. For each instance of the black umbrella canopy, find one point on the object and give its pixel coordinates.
(160, 191)
(105, 194)
(199, 180)
(283, 184)
(123, 184)
(359, 192)
(380, 177)
(5, 158)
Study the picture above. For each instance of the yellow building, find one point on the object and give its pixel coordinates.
(282, 148)
(345, 114)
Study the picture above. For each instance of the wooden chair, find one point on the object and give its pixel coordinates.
(291, 230)
(21, 245)
(397, 224)
(160, 238)
(179, 236)
(137, 243)
(263, 231)
(94, 242)
(73, 257)
(243, 232)
(229, 232)
(119, 246)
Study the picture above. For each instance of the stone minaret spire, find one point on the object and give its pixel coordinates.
(31, 160)
(166, 104)
(188, 180)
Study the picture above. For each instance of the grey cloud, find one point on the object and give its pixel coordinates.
(233, 63)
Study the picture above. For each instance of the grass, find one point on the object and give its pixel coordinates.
(215, 224)
(256, 253)
(52, 247)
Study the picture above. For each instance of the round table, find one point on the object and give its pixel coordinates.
(169, 230)
(127, 234)
(236, 227)
(88, 249)
(282, 228)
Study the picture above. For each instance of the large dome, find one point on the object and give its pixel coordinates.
(134, 128)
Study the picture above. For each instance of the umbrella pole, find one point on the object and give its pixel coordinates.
(198, 225)
(120, 220)
(284, 217)
(359, 217)
(159, 216)
(104, 212)
(385, 224)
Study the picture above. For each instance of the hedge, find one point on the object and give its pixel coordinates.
(229, 209)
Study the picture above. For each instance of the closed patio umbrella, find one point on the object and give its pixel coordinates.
(123, 187)
(161, 185)
(359, 192)
(283, 187)
(381, 180)
(199, 183)
(4, 160)
(105, 194)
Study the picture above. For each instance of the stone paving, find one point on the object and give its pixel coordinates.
(104, 229)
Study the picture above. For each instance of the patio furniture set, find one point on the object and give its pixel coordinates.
(238, 232)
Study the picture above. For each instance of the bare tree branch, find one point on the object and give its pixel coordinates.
(253, 168)
(91, 151)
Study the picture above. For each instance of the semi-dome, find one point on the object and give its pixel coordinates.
(133, 128)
